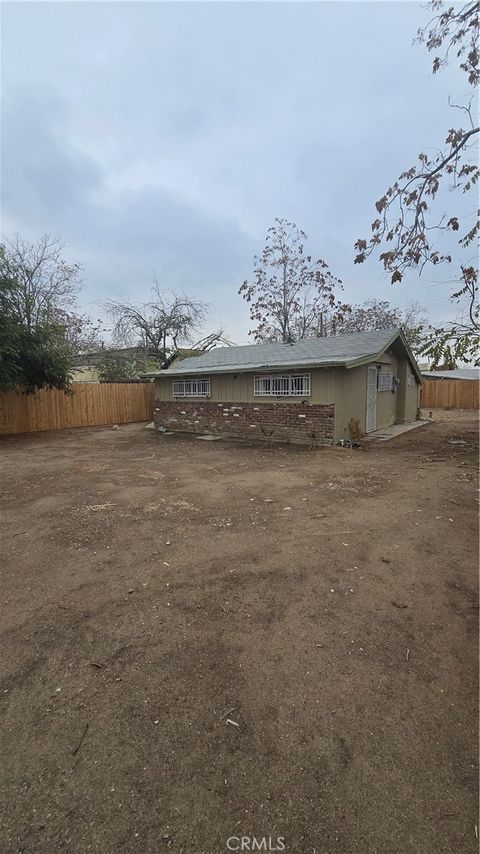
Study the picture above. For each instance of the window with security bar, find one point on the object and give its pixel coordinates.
(385, 381)
(282, 386)
(191, 388)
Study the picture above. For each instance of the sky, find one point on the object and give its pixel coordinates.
(164, 138)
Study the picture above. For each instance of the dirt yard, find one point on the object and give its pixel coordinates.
(203, 641)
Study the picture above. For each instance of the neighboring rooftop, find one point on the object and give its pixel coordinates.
(339, 350)
(457, 374)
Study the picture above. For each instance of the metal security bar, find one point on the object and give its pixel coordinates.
(191, 388)
(384, 381)
(282, 386)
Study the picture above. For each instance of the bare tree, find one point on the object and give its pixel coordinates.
(414, 324)
(158, 326)
(210, 341)
(83, 334)
(45, 284)
(292, 296)
(379, 314)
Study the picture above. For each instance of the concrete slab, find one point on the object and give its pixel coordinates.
(394, 430)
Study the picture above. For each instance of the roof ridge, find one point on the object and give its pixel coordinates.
(386, 329)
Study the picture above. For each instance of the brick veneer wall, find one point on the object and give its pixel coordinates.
(283, 422)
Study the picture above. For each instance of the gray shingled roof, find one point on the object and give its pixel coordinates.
(340, 350)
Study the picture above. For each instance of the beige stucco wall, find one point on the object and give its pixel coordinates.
(407, 395)
(349, 399)
(412, 398)
(413, 402)
(85, 375)
(392, 407)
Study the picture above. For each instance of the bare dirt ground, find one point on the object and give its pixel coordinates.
(158, 591)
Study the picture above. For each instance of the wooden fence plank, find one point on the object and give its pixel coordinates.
(91, 405)
(451, 394)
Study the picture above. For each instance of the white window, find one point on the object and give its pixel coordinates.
(281, 386)
(411, 379)
(385, 381)
(191, 388)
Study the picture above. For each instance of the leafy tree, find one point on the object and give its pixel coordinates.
(10, 338)
(379, 314)
(44, 360)
(30, 359)
(459, 341)
(158, 326)
(406, 225)
(114, 368)
(292, 296)
(117, 367)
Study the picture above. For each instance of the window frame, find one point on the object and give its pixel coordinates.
(191, 382)
(281, 385)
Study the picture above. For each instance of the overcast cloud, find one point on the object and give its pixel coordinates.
(167, 136)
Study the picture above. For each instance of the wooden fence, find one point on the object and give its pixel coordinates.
(90, 405)
(454, 394)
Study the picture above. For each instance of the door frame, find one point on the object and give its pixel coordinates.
(372, 372)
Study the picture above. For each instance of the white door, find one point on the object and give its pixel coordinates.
(371, 420)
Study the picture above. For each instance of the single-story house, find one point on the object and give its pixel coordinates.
(302, 392)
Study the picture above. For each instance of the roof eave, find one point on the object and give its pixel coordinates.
(364, 360)
(411, 357)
